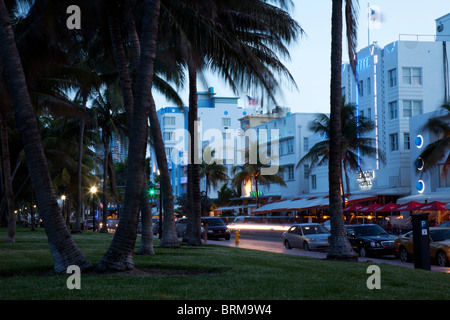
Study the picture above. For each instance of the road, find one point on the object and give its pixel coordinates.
(271, 241)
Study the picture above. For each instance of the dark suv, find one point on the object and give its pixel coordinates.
(216, 228)
(370, 239)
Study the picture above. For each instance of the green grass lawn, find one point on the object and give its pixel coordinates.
(209, 272)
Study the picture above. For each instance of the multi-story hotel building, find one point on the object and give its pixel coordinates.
(218, 118)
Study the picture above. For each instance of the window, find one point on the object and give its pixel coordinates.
(313, 182)
(305, 144)
(393, 110)
(361, 88)
(392, 74)
(369, 113)
(369, 86)
(412, 76)
(226, 122)
(169, 136)
(290, 145)
(290, 170)
(168, 151)
(343, 92)
(306, 171)
(406, 144)
(393, 139)
(281, 148)
(169, 121)
(412, 108)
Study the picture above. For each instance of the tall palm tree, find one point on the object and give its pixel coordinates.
(11, 236)
(119, 255)
(240, 41)
(340, 247)
(354, 142)
(214, 173)
(437, 151)
(118, 11)
(252, 171)
(109, 118)
(64, 250)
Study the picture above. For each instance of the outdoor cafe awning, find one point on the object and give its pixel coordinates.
(309, 201)
(430, 197)
(235, 207)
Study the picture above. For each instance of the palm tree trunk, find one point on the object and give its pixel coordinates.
(194, 219)
(62, 247)
(119, 255)
(77, 226)
(169, 236)
(11, 236)
(121, 61)
(146, 246)
(104, 228)
(340, 247)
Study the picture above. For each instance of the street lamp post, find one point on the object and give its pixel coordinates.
(63, 199)
(93, 191)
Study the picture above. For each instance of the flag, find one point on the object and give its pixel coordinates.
(374, 17)
(252, 101)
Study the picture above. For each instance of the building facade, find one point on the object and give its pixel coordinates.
(396, 83)
(218, 126)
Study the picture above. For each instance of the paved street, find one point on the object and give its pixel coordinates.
(274, 245)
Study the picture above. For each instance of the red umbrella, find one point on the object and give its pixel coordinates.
(388, 207)
(409, 206)
(432, 206)
(370, 208)
(355, 207)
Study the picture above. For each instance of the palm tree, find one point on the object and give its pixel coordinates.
(214, 173)
(119, 255)
(437, 151)
(64, 250)
(116, 15)
(354, 141)
(340, 247)
(225, 193)
(11, 236)
(240, 41)
(109, 118)
(252, 172)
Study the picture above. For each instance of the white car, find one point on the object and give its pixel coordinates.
(309, 236)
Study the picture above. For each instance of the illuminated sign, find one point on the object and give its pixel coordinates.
(365, 179)
(253, 193)
(363, 64)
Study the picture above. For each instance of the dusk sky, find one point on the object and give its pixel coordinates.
(310, 56)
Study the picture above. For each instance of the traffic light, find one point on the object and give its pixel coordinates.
(151, 191)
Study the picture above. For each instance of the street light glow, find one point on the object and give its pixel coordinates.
(93, 189)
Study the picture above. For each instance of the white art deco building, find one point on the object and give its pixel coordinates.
(399, 83)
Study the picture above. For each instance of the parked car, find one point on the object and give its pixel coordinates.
(90, 224)
(370, 239)
(327, 224)
(180, 227)
(216, 227)
(439, 246)
(445, 224)
(309, 236)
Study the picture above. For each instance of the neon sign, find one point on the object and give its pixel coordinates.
(365, 179)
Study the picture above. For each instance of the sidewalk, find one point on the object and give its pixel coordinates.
(272, 246)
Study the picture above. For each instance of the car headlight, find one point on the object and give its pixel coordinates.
(374, 244)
